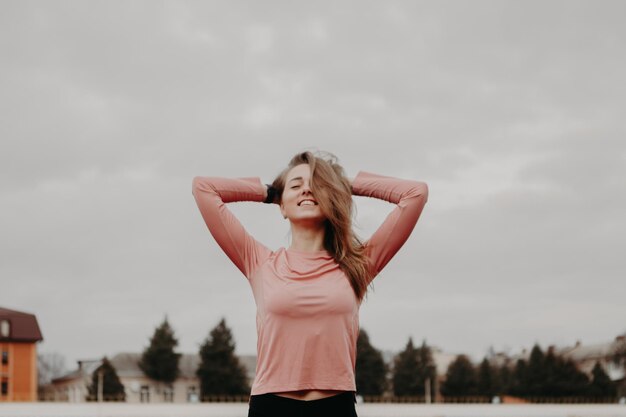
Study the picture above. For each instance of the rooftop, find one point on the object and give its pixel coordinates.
(17, 326)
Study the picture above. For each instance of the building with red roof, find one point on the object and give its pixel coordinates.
(19, 333)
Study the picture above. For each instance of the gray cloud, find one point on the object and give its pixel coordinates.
(511, 112)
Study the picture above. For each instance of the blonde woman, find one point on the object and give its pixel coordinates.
(308, 295)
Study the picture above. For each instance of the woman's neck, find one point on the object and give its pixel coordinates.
(307, 238)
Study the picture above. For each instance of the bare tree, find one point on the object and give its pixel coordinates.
(50, 365)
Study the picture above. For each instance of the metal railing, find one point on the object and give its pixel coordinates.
(479, 399)
(226, 398)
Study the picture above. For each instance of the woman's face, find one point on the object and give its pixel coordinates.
(298, 203)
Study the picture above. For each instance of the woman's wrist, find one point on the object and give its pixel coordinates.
(270, 194)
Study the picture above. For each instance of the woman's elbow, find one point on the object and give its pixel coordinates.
(424, 191)
(195, 184)
(420, 189)
(201, 184)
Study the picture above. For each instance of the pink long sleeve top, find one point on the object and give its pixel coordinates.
(307, 313)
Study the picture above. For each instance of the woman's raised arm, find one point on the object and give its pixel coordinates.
(211, 194)
(409, 196)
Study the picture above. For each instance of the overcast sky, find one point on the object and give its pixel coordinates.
(512, 113)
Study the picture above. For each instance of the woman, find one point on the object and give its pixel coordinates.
(308, 295)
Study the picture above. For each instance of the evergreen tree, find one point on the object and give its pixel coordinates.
(518, 381)
(571, 381)
(220, 371)
(552, 385)
(112, 388)
(486, 384)
(159, 361)
(562, 377)
(535, 372)
(547, 375)
(406, 372)
(601, 385)
(504, 378)
(426, 369)
(460, 378)
(371, 370)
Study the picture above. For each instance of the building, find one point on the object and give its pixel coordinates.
(19, 334)
(586, 356)
(73, 387)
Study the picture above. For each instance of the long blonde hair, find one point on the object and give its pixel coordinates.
(332, 191)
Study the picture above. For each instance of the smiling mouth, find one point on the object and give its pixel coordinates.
(307, 203)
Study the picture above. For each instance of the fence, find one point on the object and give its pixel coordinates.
(422, 399)
(486, 400)
(571, 400)
(226, 398)
(107, 398)
(389, 399)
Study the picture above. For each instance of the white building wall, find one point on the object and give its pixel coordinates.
(182, 388)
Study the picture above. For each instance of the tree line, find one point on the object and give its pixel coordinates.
(412, 372)
(543, 374)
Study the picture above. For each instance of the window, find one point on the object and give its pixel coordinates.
(168, 394)
(144, 394)
(192, 394)
(5, 357)
(4, 389)
(5, 328)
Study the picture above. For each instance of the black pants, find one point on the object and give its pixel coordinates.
(271, 405)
